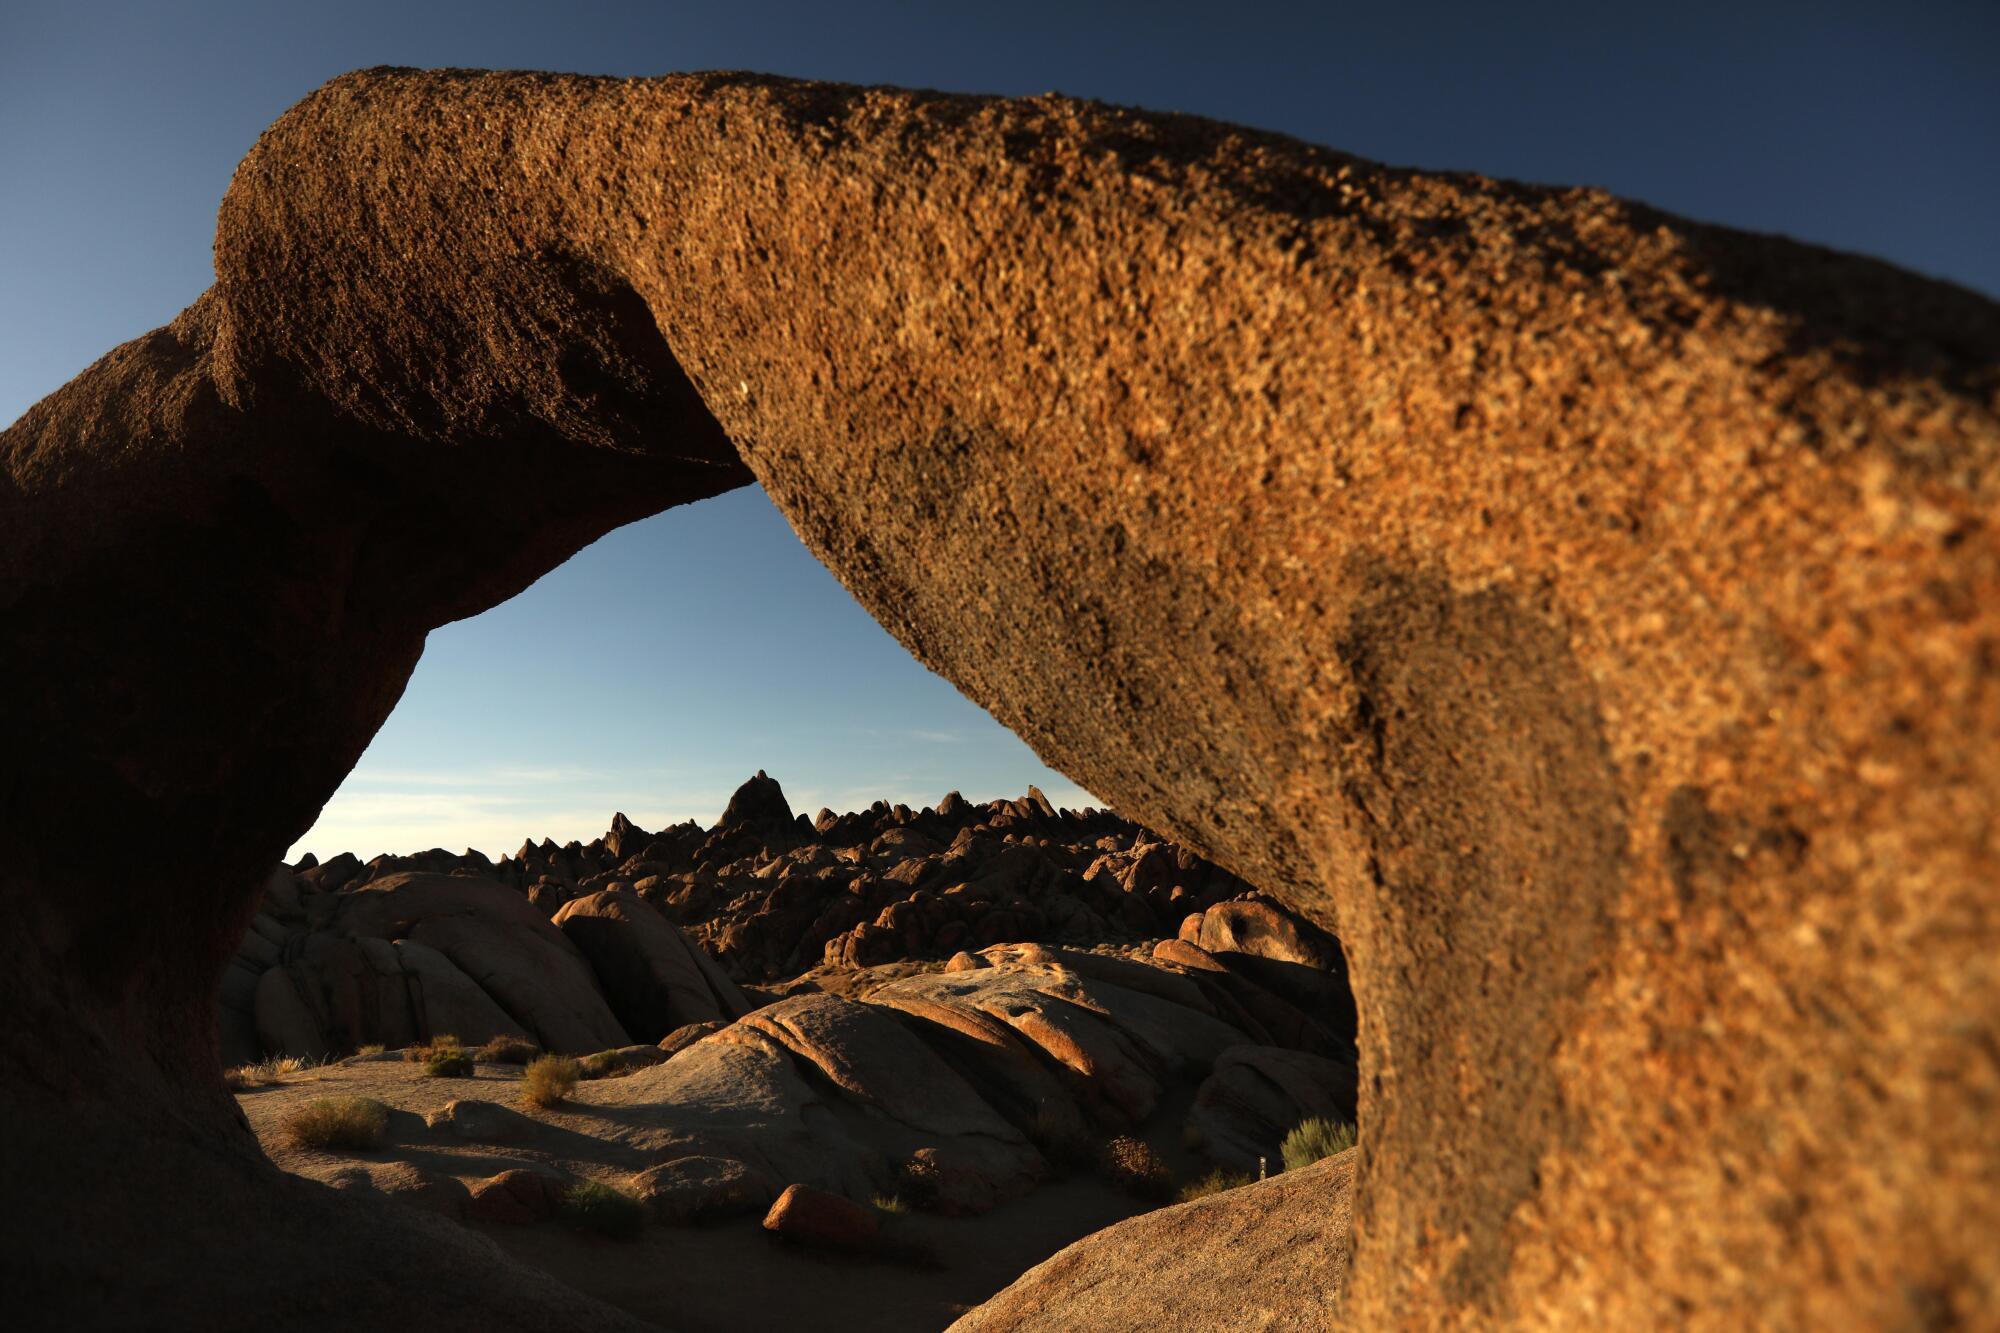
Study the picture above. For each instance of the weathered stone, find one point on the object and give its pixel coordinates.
(645, 965)
(500, 942)
(1259, 1094)
(515, 1198)
(877, 1062)
(482, 1121)
(822, 1221)
(683, 1037)
(1269, 1255)
(1261, 929)
(701, 1189)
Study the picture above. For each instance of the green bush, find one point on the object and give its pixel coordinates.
(549, 1078)
(1313, 1139)
(442, 1044)
(454, 1063)
(1215, 1182)
(338, 1122)
(595, 1207)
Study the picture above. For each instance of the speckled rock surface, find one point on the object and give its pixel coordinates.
(1589, 614)
(1271, 1255)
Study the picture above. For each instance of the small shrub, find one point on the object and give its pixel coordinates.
(1215, 1182)
(1313, 1139)
(263, 1073)
(338, 1122)
(442, 1044)
(372, 1048)
(453, 1063)
(549, 1078)
(596, 1207)
(1132, 1166)
(891, 1204)
(508, 1051)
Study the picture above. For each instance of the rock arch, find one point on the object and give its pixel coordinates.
(1592, 613)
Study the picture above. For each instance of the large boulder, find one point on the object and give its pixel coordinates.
(647, 968)
(1588, 608)
(344, 991)
(1259, 1094)
(495, 937)
(822, 1221)
(917, 1100)
(701, 1189)
(1270, 1255)
(745, 1099)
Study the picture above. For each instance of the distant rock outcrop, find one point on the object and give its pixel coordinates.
(634, 935)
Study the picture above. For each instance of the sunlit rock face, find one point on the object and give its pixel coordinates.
(1589, 613)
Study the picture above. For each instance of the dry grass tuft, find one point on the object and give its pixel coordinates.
(1313, 1139)
(372, 1048)
(507, 1051)
(1131, 1165)
(1215, 1182)
(548, 1079)
(264, 1072)
(596, 1207)
(337, 1122)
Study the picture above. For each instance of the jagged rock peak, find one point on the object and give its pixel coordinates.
(759, 801)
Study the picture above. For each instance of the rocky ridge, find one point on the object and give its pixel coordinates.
(635, 934)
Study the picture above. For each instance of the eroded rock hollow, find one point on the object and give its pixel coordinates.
(1591, 614)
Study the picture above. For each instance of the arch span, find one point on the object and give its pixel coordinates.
(1589, 612)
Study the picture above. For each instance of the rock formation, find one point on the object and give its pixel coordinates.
(1589, 613)
(1268, 1256)
(400, 949)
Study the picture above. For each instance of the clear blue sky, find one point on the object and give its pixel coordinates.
(658, 668)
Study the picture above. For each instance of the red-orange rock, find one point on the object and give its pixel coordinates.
(515, 1198)
(822, 1221)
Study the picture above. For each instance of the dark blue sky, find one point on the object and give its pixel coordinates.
(669, 660)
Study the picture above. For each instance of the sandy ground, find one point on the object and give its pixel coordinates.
(729, 1276)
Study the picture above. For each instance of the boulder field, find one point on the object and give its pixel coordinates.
(634, 936)
(1590, 616)
(908, 1113)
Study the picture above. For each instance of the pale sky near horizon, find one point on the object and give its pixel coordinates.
(658, 668)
